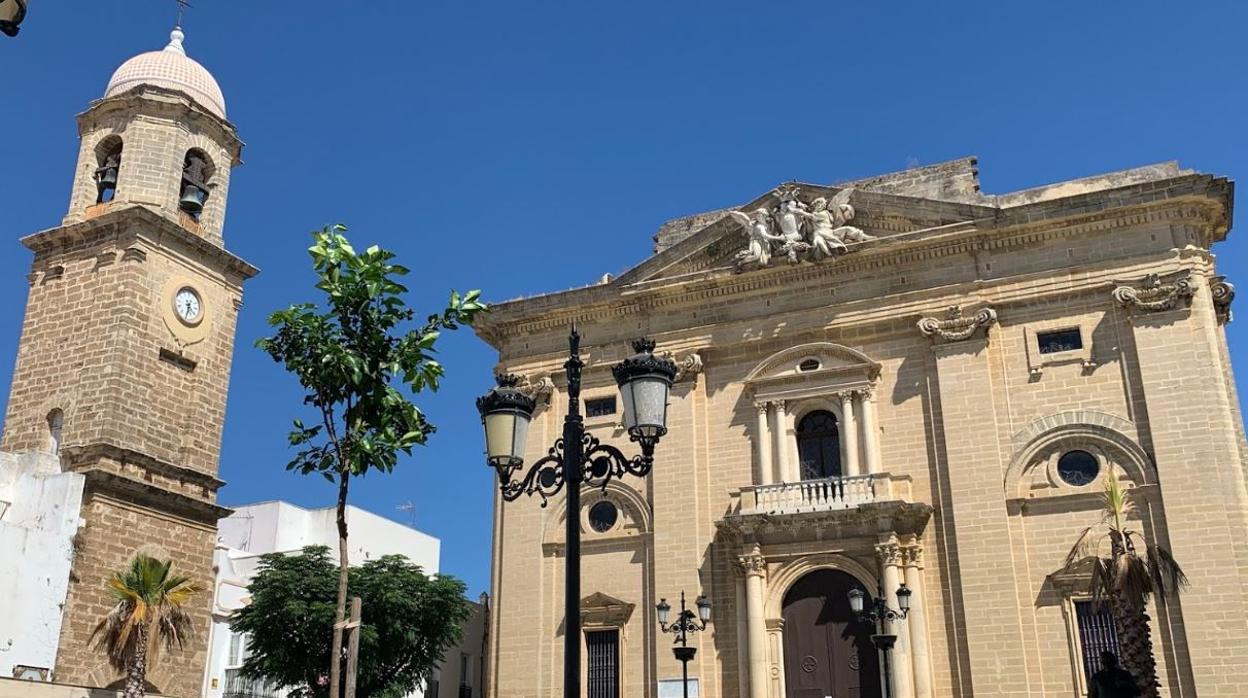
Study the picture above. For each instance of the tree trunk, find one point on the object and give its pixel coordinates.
(136, 669)
(1135, 641)
(335, 656)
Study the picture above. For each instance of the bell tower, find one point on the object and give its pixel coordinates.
(124, 360)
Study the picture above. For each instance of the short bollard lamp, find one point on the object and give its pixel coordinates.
(577, 458)
(12, 12)
(685, 623)
(876, 610)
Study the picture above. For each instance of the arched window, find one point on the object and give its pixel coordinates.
(196, 173)
(108, 157)
(56, 422)
(819, 445)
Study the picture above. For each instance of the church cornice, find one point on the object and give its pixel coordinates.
(139, 222)
(1204, 208)
(81, 456)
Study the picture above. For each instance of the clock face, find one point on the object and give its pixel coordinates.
(188, 306)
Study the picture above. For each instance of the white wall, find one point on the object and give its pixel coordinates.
(271, 527)
(40, 511)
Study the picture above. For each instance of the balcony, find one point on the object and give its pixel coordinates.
(238, 686)
(828, 494)
(828, 508)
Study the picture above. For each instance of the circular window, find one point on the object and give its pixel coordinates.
(1078, 468)
(602, 516)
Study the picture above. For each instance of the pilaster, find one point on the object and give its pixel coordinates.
(977, 514)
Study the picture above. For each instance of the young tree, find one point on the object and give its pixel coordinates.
(408, 622)
(352, 356)
(1126, 571)
(149, 615)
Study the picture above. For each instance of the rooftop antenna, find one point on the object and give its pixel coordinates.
(410, 509)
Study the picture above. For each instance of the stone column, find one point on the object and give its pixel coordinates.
(763, 439)
(902, 669)
(779, 426)
(849, 435)
(870, 432)
(912, 571)
(754, 567)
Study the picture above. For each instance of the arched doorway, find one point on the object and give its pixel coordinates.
(827, 650)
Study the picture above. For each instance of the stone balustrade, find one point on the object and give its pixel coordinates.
(824, 494)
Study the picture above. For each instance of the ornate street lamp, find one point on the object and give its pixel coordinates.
(685, 623)
(878, 611)
(577, 458)
(12, 12)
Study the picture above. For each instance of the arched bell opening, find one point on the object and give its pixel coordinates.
(108, 168)
(197, 173)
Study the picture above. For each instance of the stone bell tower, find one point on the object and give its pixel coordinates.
(124, 360)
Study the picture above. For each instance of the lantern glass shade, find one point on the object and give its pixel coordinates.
(704, 609)
(644, 381)
(903, 598)
(857, 599)
(505, 432)
(645, 406)
(505, 414)
(663, 609)
(12, 12)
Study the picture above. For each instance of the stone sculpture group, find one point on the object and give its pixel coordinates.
(806, 232)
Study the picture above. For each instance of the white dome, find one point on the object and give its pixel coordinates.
(172, 69)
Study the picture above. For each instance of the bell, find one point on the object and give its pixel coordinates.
(106, 178)
(192, 200)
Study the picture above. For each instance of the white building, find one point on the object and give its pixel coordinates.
(39, 517)
(280, 527)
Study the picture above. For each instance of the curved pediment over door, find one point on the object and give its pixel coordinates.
(809, 370)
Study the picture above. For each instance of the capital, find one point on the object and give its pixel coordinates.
(752, 563)
(889, 554)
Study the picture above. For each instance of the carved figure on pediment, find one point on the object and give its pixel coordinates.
(761, 238)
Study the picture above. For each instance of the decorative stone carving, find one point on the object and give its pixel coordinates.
(807, 232)
(955, 326)
(1223, 293)
(688, 366)
(889, 554)
(1155, 294)
(538, 388)
(912, 555)
(752, 563)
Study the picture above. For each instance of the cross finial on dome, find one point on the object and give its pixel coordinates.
(175, 41)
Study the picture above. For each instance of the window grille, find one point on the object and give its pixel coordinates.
(600, 407)
(1096, 634)
(604, 663)
(1061, 340)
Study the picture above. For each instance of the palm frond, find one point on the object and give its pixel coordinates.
(1165, 571)
(1085, 546)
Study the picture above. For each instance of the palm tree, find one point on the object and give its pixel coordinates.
(1126, 574)
(149, 614)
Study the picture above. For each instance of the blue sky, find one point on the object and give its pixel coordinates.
(528, 147)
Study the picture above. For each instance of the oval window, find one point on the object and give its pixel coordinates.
(1078, 468)
(602, 516)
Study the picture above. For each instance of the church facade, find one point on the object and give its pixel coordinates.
(894, 381)
(124, 362)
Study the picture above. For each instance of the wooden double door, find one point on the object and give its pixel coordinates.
(828, 652)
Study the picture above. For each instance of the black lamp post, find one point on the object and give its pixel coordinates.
(577, 458)
(877, 611)
(685, 623)
(12, 12)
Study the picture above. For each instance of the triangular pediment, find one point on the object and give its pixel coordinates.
(718, 240)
